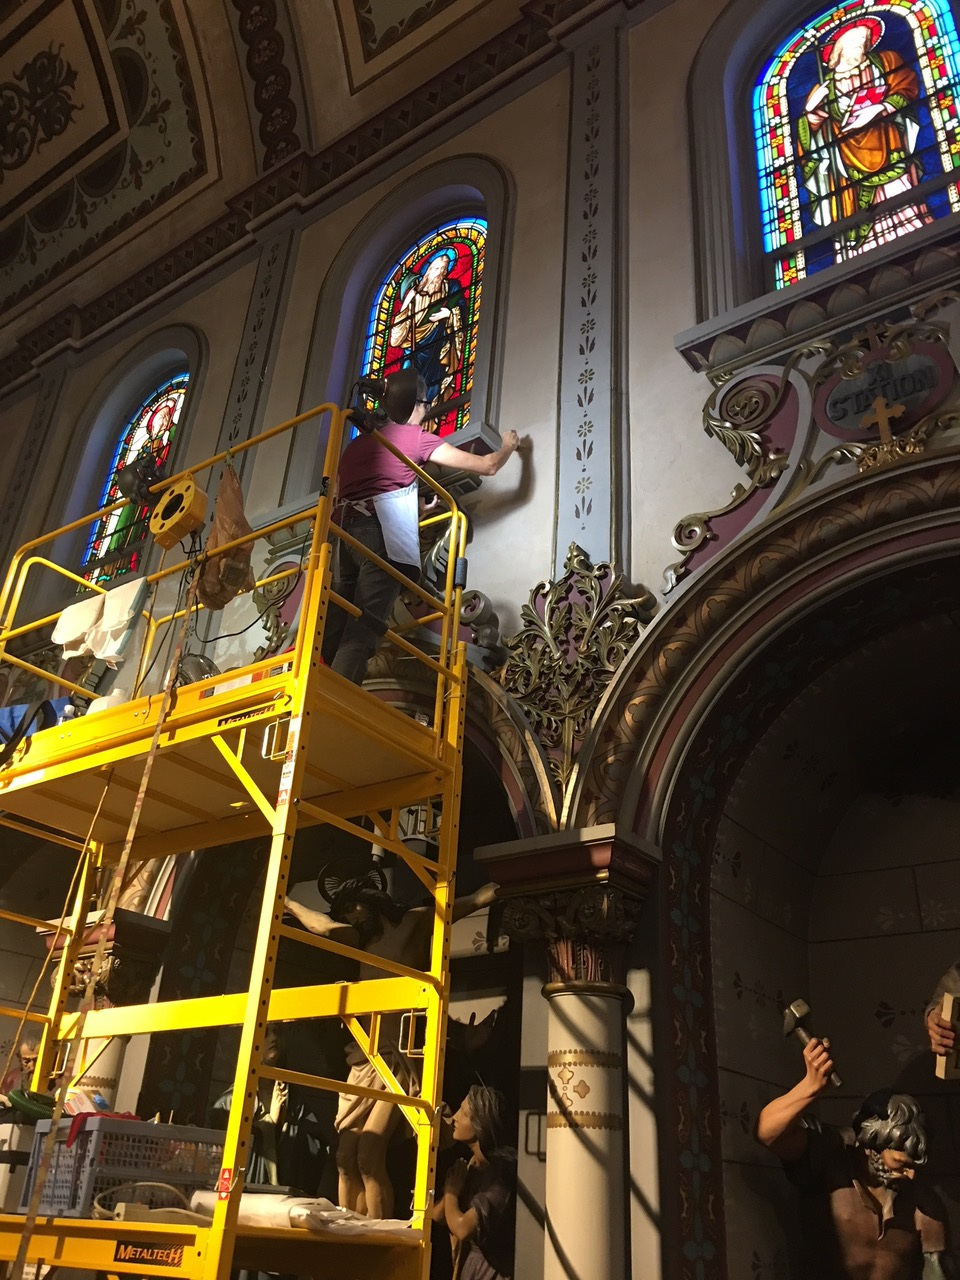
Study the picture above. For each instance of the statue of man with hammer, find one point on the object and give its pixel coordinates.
(865, 1216)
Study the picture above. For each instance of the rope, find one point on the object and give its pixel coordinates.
(86, 1004)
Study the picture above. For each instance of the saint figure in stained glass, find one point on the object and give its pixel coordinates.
(858, 132)
(116, 545)
(429, 324)
(425, 317)
(857, 138)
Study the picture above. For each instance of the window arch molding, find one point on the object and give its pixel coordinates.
(464, 186)
(161, 355)
(730, 267)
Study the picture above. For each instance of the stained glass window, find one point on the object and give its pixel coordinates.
(857, 132)
(118, 540)
(425, 316)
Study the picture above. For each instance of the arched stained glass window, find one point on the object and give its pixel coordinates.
(118, 540)
(425, 316)
(857, 132)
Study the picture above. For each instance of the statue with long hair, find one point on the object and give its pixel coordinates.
(362, 914)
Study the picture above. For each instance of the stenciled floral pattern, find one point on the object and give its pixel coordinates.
(35, 107)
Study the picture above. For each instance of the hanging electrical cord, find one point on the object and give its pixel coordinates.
(192, 565)
(229, 635)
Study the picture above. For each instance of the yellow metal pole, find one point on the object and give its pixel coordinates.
(217, 1264)
(436, 1030)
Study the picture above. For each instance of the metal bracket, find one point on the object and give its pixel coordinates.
(413, 1030)
(271, 738)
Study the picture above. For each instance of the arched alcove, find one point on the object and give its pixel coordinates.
(92, 443)
(729, 232)
(462, 187)
(833, 874)
(812, 589)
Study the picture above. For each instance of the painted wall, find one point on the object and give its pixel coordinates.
(516, 508)
(675, 468)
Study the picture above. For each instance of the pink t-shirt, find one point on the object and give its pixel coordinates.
(367, 468)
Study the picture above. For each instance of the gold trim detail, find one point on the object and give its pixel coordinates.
(584, 1120)
(576, 632)
(583, 1058)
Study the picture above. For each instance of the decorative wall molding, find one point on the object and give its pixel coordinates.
(381, 24)
(274, 90)
(305, 180)
(133, 131)
(40, 104)
(585, 931)
(590, 407)
(258, 344)
(577, 631)
(23, 470)
(897, 279)
(878, 397)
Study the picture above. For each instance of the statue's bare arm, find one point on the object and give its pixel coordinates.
(321, 924)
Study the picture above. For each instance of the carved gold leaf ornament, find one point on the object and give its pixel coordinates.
(741, 407)
(576, 632)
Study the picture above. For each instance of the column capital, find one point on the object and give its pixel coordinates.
(579, 893)
(132, 955)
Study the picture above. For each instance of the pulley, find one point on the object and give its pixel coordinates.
(181, 509)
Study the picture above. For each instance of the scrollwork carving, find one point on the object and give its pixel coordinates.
(896, 341)
(737, 415)
(586, 930)
(900, 449)
(576, 633)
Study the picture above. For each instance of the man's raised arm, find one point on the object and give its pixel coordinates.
(778, 1125)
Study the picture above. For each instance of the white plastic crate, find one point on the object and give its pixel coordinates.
(108, 1152)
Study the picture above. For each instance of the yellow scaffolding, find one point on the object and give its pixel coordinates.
(259, 751)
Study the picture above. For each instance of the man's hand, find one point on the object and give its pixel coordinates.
(819, 1064)
(316, 921)
(511, 440)
(941, 1033)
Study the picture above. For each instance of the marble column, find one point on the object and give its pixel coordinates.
(585, 926)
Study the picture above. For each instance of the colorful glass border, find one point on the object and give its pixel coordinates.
(938, 56)
(467, 237)
(128, 524)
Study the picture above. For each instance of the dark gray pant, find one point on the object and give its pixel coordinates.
(348, 642)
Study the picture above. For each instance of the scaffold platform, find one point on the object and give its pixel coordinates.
(257, 751)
